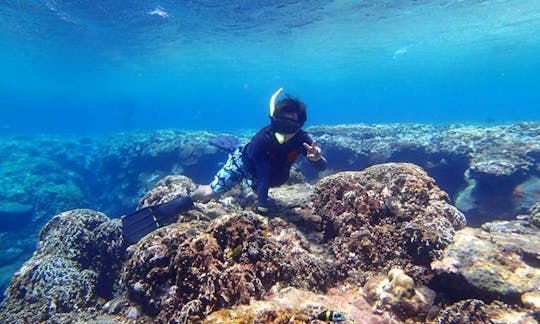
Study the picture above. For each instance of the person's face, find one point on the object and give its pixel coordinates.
(292, 116)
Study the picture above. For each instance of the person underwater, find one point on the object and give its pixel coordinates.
(264, 162)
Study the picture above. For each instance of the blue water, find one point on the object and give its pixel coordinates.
(99, 66)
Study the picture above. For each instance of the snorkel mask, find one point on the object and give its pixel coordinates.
(285, 125)
(282, 125)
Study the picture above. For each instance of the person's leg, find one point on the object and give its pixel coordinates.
(225, 179)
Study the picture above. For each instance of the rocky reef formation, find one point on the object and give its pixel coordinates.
(389, 215)
(357, 244)
(489, 173)
(486, 266)
(44, 175)
(74, 268)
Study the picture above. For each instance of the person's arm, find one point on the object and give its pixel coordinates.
(263, 184)
(259, 148)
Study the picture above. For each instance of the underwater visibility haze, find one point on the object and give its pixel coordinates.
(427, 114)
(106, 66)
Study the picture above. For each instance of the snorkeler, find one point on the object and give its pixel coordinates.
(264, 162)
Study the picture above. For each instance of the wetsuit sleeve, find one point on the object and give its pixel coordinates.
(263, 182)
(262, 170)
(321, 164)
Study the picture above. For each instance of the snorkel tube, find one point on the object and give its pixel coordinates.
(273, 101)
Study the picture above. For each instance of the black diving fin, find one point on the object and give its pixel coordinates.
(227, 143)
(147, 219)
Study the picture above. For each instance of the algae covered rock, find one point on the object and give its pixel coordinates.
(185, 271)
(167, 189)
(389, 215)
(78, 258)
(291, 305)
(534, 215)
(478, 311)
(477, 265)
(381, 228)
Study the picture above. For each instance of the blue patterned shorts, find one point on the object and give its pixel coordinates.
(231, 174)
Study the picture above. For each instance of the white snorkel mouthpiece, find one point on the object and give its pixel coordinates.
(273, 101)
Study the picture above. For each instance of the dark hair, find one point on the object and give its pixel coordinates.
(291, 105)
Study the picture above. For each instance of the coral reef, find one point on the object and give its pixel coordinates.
(490, 161)
(489, 172)
(380, 229)
(77, 261)
(347, 230)
(187, 270)
(389, 215)
(54, 173)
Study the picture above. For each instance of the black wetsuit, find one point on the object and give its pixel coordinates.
(270, 162)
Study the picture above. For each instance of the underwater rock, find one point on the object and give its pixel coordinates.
(387, 216)
(185, 271)
(295, 204)
(476, 311)
(481, 265)
(55, 173)
(47, 285)
(519, 235)
(330, 239)
(531, 300)
(78, 258)
(492, 160)
(292, 305)
(167, 189)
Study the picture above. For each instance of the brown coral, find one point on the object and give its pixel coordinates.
(389, 215)
(184, 273)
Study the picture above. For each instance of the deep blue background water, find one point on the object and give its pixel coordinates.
(105, 66)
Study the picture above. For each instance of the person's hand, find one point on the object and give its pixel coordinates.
(313, 151)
